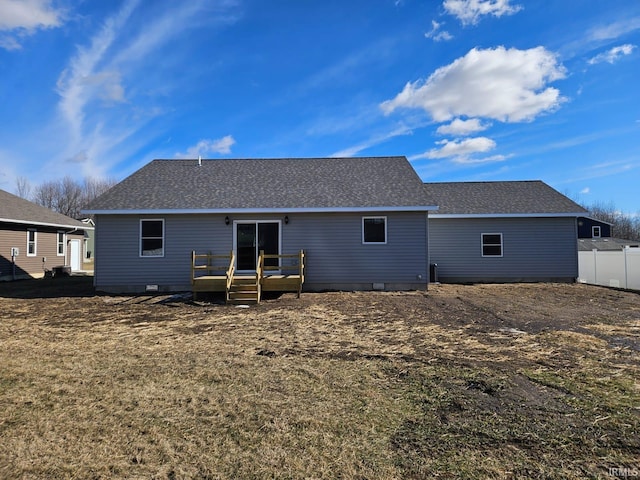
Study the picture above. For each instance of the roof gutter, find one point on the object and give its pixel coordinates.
(505, 215)
(45, 224)
(178, 211)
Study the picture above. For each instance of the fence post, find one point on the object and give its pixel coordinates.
(595, 266)
(626, 282)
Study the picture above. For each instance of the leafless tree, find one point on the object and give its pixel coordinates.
(23, 187)
(68, 196)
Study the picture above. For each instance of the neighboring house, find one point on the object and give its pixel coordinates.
(40, 238)
(592, 228)
(362, 222)
(502, 232)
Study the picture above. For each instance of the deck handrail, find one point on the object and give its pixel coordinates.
(208, 267)
(231, 270)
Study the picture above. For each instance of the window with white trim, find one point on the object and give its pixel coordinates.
(32, 242)
(152, 238)
(491, 244)
(374, 230)
(596, 231)
(61, 241)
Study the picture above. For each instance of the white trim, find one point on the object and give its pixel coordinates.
(255, 211)
(64, 244)
(504, 215)
(45, 224)
(482, 245)
(593, 231)
(385, 229)
(164, 241)
(255, 222)
(35, 242)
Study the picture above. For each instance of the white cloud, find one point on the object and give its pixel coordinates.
(585, 191)
(470, 11)
(506, 85)
(436, 34)
(24, 17)
(461, 148)
(612, 55)
(28, 14)
(460, 127)
(221, 146)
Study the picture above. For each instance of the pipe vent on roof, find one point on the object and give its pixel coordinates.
(199, 160)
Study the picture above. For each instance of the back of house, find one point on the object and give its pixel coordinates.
(361, 222)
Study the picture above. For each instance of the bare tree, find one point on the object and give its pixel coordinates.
(23, 187)
(68, 196)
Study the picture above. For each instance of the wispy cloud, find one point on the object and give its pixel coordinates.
(102, 103)
(205, 147)
(612, 55)
(585, 191)
(436, 34)
(509, 85)
(20, 18)
(373, 141)
(614, 30)
(469, 12)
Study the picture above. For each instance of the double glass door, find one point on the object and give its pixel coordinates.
(251, 238)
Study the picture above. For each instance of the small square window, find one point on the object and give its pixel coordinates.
(491, 244)
(596, 231)
(152, 238)
(374, 230)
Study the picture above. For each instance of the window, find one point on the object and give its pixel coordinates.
(61, 243)
(374, 229)
(491, 244)
(596, 232)
(152, 238)
(32, 241)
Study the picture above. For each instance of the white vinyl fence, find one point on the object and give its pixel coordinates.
(619, 269)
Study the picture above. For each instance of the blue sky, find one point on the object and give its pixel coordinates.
(466, 89)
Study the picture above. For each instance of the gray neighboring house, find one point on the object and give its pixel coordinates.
(362, 222)
(513, 231)
(43, 239)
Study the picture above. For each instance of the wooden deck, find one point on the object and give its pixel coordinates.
(274, 273)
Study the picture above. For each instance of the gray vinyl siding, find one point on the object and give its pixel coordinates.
(335, 255)
(534, 249)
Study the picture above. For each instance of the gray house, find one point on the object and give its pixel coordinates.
(34, 239)
(502, 232)
(361, 222)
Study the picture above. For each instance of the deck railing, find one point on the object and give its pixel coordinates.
(292, 270)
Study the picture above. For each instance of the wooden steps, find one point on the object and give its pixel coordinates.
(243, 290)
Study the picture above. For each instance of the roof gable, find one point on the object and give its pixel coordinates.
(267, 184)
(14, 209)
(513, 198)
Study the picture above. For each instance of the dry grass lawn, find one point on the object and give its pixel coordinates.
(482, 381)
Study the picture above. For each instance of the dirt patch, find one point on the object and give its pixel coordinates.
(479, 381)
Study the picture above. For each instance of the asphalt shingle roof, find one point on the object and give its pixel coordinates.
(311, 183)
(605, 244)
(14, 209)
(500, 198)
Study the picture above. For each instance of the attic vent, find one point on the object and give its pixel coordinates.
(199, 160)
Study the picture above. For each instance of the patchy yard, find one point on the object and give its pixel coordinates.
(485, 381)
